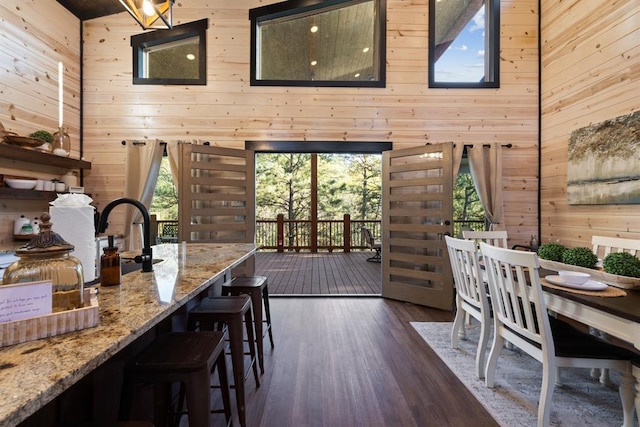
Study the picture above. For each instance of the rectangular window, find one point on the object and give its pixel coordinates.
(464, 43)
(171, 57)
(330, 43)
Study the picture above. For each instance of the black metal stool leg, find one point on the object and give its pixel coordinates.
(267, 313)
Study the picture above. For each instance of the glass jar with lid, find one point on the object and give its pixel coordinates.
(46, 257)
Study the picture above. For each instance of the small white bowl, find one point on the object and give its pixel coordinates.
(574, 277)
(22, 184)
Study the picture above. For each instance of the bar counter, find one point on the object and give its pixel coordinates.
(34, 373)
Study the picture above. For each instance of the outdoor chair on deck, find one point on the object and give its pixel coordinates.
(373, 244)
(471, 296)
(520, 316)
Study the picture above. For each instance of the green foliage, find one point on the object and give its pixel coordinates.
(347, 184)
(551, 251)
(42, 135)
(622, 264)
(165, 197)
(283, 186)
(466, 203)
(582, 257)
(365, 186)
(332, 186)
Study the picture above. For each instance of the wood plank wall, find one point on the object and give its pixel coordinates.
(590, 73)
(228, 111)
(34, 36)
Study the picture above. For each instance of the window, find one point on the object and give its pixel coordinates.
(171, 57)
(319, 43)
(464, 47)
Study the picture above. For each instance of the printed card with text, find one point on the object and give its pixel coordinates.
(25, 300)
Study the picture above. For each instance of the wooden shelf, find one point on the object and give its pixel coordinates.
(14, 152)
(17, 194)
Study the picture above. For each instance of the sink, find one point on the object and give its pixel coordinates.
(126, 266)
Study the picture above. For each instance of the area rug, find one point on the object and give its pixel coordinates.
(580, 401)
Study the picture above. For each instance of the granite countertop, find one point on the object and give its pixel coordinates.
(35, 372)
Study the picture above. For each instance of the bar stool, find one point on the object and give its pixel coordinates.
(185, 357)
(258, 290)
(230, 310)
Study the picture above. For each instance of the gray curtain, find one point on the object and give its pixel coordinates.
(485, 163)
(173, 152)
(458, 150)
(141, 175)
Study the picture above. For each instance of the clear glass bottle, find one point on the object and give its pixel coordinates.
(534, 243)
(61, 143)
(46, 257)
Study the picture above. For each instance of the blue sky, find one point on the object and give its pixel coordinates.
(464, 60)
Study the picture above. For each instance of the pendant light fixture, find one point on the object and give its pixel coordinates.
(150, 14)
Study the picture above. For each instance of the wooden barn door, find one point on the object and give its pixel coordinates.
(217, 196)
(417, 212)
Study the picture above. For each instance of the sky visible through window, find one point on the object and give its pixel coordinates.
(464, 59)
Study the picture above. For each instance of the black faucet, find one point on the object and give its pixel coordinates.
(147, 257)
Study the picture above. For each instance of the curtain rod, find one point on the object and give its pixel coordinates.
(509, 145)
(141, 143)
(483, 145)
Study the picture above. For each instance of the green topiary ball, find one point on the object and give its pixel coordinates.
(551, 251)
(582, 257)
(43, 135)
(622, 264)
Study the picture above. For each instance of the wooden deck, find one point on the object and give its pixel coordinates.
(323, 273)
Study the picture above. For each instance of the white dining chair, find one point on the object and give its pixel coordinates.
(495, 237)
(471, 296)
(492, 237)
(520, 316)
(603, 246)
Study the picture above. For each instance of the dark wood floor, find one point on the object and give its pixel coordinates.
(323, 273)
(355, 361)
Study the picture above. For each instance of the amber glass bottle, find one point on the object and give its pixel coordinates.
(110, 267)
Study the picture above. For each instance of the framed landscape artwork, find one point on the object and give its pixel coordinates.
(604, 162)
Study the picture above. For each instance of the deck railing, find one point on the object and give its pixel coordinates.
(344, 235)
(163, 231)
(297, 235)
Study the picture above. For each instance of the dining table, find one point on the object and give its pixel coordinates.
(616, 316)
(41, 374)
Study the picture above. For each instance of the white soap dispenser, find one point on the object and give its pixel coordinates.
(19, 224)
